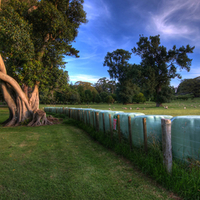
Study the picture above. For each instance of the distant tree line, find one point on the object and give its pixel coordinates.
(129, 83)
(152, 76)
(189, 86)
(81, 92)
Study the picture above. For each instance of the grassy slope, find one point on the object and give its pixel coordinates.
(62, 162)
(176, 108)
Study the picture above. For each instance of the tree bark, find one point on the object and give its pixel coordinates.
(21, 108)
(158, 104)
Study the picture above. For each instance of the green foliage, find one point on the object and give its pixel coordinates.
(88, 96)
(117, 61)
(74, 97)
(103, 96)
(109, 99)
(139, 98)
(58, 91)
(105, 85)
(125, 91)
(190, 86)
(114, 96)
(159, 66)
(165, 95)
(125, 73)
(81, 92)
(184, 97)
(35, 36)
(86, 91)
(98, 98)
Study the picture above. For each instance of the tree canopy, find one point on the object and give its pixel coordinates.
(36, 35)
(159, 65)
(190, 86)
(34, 38)
(123, 72)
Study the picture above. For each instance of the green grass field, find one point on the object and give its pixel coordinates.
(63, 162)
(175, 108)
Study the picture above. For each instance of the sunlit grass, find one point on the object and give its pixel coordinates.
(63, 162)
(175, 108)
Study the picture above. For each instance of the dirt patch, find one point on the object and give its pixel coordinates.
(54, 120)
(23, 144)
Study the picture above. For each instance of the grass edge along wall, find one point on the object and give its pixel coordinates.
(185, 137)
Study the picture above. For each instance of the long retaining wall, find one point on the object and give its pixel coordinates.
(142, 129)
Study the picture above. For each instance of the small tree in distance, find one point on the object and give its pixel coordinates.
(123, 72)
(139, 98)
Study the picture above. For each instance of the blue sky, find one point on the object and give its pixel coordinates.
(117, 24)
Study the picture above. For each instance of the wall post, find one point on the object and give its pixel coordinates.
(145, 134)
(104, 128)
(119, 131)
(166, 144)
(111, 130)
(130, 134)
(97, 121)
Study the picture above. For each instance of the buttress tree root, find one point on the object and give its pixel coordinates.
(21, 108)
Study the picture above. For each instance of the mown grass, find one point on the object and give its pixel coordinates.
(184, 179)
(63, 162)
(175, 108)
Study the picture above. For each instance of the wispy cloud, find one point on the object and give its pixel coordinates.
(96, 9)
(85, 77)
(176, 18)
(83, 56)
(96, 40)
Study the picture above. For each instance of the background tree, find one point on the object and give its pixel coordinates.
(109, 99)
(159, 63)
(88, 96)
(82, 87)
(190, 86)
(102, 85)
(34, 37)
(165, 95)
(139, 98)
(81, 91)
(123, 72)
(103, 96)
(98, 98)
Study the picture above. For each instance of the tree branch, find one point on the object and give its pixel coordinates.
(2, 66)
(16, 87)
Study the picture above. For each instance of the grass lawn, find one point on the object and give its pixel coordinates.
(175, 108)
(63, 162)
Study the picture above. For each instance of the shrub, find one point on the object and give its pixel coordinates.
(139, 98)
(109, 99)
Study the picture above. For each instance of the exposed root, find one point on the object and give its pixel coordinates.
(11, 122)
(54, 120)
(39, 118)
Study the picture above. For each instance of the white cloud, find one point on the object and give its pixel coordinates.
(84, 77)
(176, 17)
(96, 9)
(83, 56)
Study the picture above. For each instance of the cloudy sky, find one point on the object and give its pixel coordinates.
(117, 24)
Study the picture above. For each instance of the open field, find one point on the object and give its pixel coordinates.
(175, 108)
(63, 162)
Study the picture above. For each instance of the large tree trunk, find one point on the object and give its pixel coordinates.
(158, 104)
(21, 108)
